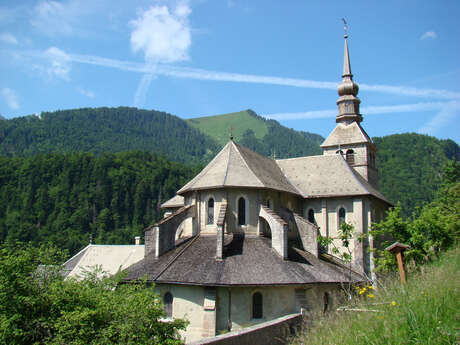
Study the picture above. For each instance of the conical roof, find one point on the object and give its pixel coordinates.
(237, 166)
(345, 134)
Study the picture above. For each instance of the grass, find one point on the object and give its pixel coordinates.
(218, 127)
(425, 311)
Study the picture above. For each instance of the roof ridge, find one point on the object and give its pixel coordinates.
(246, 163)
(226, 168)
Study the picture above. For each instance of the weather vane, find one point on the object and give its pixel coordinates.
(231, 132)
(345, 27)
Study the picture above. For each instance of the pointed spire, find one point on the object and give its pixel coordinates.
(348, 103)
(346, 60)
(231, 133)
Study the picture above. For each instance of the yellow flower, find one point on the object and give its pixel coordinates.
(361, 291)
(371, 287)
(393, 303)
(370, 295)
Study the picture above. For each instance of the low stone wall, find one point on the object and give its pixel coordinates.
(274, 332)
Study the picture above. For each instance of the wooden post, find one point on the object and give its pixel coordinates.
(398, 249)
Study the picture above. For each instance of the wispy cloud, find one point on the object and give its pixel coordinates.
(429, 35)
(386, 109)
(87, 93)
(164, 36)
(59, 63)
(9, 96)
(201, 74)
(8, 38)
(449, 111)
(53, 17)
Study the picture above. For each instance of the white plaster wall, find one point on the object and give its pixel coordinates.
(187, 304)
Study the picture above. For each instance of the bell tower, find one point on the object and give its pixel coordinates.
(348, 138)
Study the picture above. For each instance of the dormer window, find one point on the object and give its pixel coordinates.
(211, 211)
(350, 156)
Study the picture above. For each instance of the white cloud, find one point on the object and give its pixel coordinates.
(8, 38)
(163, 35)
(371, 110)
(429, 35)
(59, 63)
(449, 111)
(87, 93)
(10, 98)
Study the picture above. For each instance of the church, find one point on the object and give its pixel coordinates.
(239, 242)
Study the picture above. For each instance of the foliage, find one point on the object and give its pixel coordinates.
(410, 167)
(100, 130)
(431, 228)
(66, 198)
(343, 250)
(424, 311)
(259, 134)
(39, 306)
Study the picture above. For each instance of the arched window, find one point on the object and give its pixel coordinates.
(241, 211)
(257, 306)
(342, 215)
(311, 216)
(211, 211)
(350, 156)
(168, 303)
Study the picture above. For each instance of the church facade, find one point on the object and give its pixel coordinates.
(239, 244)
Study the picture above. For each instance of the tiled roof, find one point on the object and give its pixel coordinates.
(110, 258)
(237, 166)
(344, 134)
(326, 176)
(175, 201)
(247, 261)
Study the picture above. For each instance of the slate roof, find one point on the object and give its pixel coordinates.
(175, 201)
(344, 134)
(247, 261)
(111, 258)
(326, 176)
(237, 166)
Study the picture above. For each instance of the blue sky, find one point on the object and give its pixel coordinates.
(283, 59)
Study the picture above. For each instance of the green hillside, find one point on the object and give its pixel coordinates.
(259, 134)
(99, 130)
(410, 167)
(218, 126)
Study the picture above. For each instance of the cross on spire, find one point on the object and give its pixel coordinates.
(231, 132)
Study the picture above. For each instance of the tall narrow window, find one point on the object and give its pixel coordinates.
(211, 211)
(168, 303)
(257, 306)
(311, 216)
(241, 211)
(350, 156)
(342, 215)
(326, 301)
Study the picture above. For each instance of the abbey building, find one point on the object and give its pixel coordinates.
(239, 243)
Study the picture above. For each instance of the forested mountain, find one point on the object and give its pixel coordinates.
(50, 189)
(99, 130)
(266, 137)
(410, 167)
(66, 198)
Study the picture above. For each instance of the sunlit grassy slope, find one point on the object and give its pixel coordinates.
(218, 127)
(425, 311)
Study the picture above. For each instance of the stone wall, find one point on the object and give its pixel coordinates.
(273, 332)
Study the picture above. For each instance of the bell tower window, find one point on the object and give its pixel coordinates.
(350, 156)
